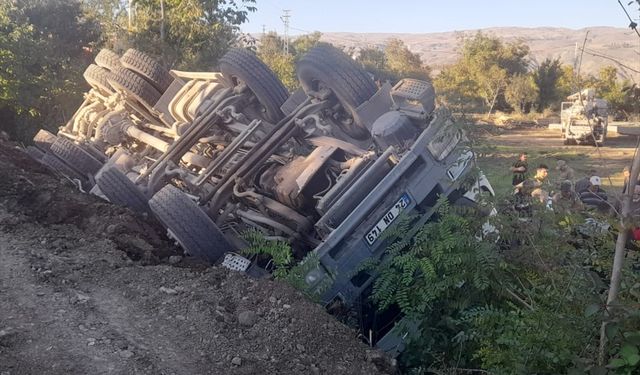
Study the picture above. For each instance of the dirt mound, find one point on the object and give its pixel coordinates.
(86, 287)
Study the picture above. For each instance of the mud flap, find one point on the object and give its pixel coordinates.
(379, 104)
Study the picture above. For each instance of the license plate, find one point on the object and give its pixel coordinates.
(456, 170)
(388, 218)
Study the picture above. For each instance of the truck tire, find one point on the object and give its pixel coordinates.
(58, 166)
(34, 152)
(108, 59)
(328, 67)
(240, 65)
(195, 231)
(75, 156)
(147, 67)
(44, 139)
(97, 77)
(134, 85)
(120, 190)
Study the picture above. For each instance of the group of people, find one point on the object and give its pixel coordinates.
(570, 196)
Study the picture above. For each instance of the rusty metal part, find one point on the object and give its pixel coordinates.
(354, 168)
(303, 223)
(295, 183)
(258, 155)
(352, 196)
(256, 217)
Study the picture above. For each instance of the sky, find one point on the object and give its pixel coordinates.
(427, 16)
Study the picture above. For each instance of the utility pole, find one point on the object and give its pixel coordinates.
(162, 21)
(285, 20)
(130, 15)
(264, 29)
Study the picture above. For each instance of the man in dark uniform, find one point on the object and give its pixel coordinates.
(566, 201)
(594, 196)
(519, 170)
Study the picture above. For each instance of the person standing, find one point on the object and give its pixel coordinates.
(519, 170)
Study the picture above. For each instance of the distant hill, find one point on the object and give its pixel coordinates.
(440, 49)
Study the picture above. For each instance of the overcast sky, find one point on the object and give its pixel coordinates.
(404, 16)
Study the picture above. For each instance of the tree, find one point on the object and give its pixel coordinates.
(304, 43)
(483, 70)
(394, 62)
(186, 34)
(456, 87)
(521, 92)
(567, 82)
(43, 51)
(546, 77)
(609, 87)
(373, 59)
(403, 63)
(271, 52)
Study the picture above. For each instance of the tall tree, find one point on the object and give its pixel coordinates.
(43, 50)
(546, 77)
(484, 68)
(609, 87)
(521, 92)
(394, 62)
(404, 63)
(187, 34)
(271, 51)
(304, 43)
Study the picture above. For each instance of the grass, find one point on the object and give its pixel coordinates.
(496, 161)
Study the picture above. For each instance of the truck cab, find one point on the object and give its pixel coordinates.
(584, 119)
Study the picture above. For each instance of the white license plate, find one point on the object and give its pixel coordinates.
(388, 218)
(456, 170)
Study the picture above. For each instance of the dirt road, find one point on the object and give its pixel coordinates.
(86, 288)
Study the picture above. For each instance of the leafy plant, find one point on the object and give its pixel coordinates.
(278, 251)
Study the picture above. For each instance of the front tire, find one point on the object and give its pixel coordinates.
(325, 66)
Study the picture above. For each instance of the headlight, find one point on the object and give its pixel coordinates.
(445, 140)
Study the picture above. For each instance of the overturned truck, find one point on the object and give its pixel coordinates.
(327, 169)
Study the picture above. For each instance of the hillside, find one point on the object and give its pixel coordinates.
(440, 49)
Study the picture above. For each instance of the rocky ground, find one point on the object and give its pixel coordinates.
(89, 288)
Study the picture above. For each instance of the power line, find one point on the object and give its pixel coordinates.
(632, 25)
(285, 20)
